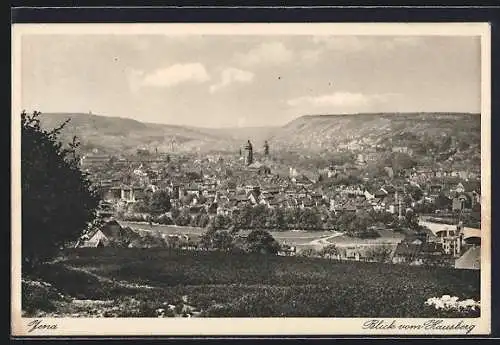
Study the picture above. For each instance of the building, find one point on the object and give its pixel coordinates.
(470, 260)
(102, 237)
(402, 149)
(451, 239)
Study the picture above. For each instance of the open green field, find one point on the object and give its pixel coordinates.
(90, 282)
(290, 236)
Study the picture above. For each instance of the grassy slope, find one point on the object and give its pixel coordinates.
(121, 134)
(317, 132)
(221, 284)
(309, 133)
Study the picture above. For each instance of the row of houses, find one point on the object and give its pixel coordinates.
(209, 195)
(447, 246)
(445, 249)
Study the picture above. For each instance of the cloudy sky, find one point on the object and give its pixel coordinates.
(227, 81)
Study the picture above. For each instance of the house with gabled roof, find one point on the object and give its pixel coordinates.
(302, 180)
(471, 259)
(253, 197)
(110, 232)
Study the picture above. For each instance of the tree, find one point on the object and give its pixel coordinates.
(203, 220)
(415, 192)
(311, 219)
(58, 202)
(411, 219)
(140, 206)
(359, 226)
(401, 161)
(261, 241)
(443, 202)
(330, 250)
(308, 252)
(159, 202)
(222, 240)
(221, 222)
(184, 218)
(379, 253)
(279, 215)
(206, 239)
(175, 212)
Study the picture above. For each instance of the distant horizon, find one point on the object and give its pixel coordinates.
(266, 126)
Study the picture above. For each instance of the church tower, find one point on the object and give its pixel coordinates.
(249, 153)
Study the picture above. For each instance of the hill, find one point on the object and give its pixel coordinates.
(453, 137)
(115, 134)
(137, 283)
(317, 132)
(448, 138)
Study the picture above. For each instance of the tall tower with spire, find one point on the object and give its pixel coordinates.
(172, 144)
(249, 153)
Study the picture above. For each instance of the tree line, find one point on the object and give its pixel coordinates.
(356, 224)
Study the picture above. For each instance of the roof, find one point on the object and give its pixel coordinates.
(302, 179)
(471, 259)
(254, 193)
(255, 165)
(407, 249)
(112, 229)
(380, 193)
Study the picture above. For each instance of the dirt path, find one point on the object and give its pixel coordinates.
(324, 240)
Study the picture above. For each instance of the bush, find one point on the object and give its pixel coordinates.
(261, 241)
(308, 253)
(38, 296)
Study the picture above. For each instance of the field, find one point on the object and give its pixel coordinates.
(289, 236)
(107, 282)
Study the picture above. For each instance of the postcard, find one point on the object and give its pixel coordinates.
(251, 179)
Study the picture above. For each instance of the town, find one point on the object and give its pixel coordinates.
(404, 214)
(227, 172)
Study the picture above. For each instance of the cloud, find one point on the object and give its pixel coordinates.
(323, 45)
(342, 43)
(362, 43)
(311, 55)
(175, 74)
(274, 53)
(340, 99)
(134, 78)
(232, 75)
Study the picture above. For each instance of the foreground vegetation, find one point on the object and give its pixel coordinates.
(119, 282)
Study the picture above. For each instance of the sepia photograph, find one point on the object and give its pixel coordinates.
(250, 179)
